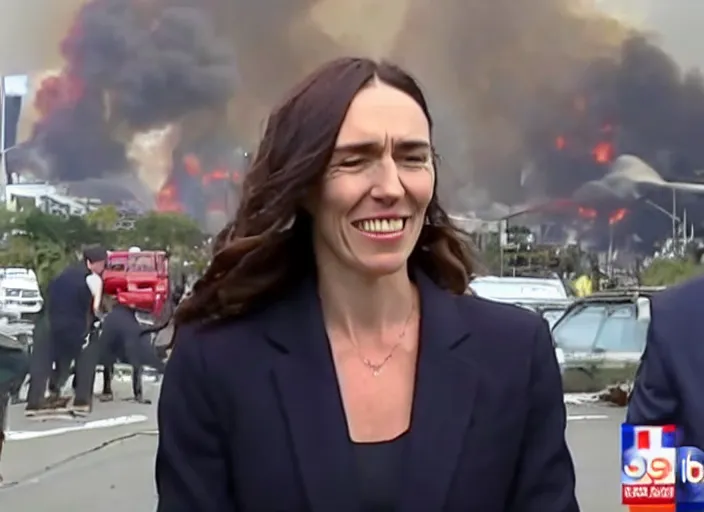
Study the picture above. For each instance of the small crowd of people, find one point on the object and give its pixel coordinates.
(79, 329)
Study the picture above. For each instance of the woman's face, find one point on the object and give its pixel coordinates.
(378, 184)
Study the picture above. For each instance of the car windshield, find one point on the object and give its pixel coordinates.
(132, 263)
(602, 328)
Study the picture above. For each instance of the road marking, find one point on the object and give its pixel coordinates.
(586, 417)
(119, 421)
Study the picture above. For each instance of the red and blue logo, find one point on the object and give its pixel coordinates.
(648, 464)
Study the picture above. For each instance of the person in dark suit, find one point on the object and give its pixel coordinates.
(669, 382)
(330, 358)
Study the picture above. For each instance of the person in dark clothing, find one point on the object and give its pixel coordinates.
(73, 304)
(14, 365)
(121, 339)
(163, 326)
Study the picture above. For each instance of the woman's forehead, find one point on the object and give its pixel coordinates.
(381, 113)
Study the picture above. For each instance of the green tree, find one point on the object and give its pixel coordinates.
(104, 218)
(45, 243)
(174, 232)
(666, 272)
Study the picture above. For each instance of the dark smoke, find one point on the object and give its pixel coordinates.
(132, 67)
(653, 109)
(502, 78)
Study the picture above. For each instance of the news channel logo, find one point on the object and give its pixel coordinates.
(648, 455)
(689, 486)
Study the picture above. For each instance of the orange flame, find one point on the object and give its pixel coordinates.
(167, 199)
(603, 153)
(617, 216)
(586, 213)
(215, 175)
(192, 165)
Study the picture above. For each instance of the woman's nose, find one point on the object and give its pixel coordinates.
(387, 181)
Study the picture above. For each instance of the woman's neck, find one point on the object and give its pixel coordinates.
(362, 308)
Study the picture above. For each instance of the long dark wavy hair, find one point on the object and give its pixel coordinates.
(267, 248)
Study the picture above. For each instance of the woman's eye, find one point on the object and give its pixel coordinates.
(351, 163)
(415, 160)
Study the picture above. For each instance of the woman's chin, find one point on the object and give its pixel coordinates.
(382, 265)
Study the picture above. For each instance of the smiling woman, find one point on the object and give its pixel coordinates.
(330, 351)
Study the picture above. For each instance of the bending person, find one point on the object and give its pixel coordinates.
(121, 339)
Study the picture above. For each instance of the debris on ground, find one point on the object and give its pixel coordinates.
(617, 394)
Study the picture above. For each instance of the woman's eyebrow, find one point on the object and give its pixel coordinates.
(366, 147)
(370, 147)
(411, 145)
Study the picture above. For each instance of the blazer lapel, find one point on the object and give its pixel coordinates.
(446, 386)
(312, 405)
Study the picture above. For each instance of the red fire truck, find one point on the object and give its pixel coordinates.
(140, 277)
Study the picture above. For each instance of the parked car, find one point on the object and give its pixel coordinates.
(602, 338)
(19, 292)
(520, 289)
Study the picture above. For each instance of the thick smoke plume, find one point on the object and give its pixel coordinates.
(545, 85)
(130, 66)
(638, 102)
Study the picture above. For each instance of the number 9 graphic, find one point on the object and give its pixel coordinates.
(660, 468)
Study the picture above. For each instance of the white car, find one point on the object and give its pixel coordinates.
(520, 289)
(19, 292)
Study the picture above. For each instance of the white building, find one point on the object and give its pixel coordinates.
(48, 198)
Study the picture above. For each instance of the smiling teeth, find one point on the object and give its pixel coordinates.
(381, 225)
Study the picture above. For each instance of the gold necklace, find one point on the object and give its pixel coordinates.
(376, 368)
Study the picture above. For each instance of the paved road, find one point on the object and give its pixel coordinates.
(108, 466)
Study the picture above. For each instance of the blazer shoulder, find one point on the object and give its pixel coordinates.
(681, 297)
(219, 339)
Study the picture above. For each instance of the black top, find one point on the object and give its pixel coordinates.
(378, 471)
(69, 298)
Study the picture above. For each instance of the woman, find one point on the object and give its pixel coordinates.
(329, 359)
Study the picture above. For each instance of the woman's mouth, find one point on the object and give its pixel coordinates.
(381, 228)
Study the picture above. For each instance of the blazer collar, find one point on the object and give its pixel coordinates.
(300, 311)
(306, 383)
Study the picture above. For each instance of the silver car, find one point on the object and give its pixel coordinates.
(602, 338)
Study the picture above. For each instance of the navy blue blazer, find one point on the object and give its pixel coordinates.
(251, 418)
(670, 382)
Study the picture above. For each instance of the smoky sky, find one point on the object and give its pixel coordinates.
(155, 67)
(501, 78)
(652, 108)
(136, 68)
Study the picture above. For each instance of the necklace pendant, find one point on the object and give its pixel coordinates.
(376, 372)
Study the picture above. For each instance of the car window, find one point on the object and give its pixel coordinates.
(141, 263)
(621, 331)
(117, 263)
(578, 330)
(608, 328)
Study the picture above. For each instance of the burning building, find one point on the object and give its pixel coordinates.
(505, 97)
